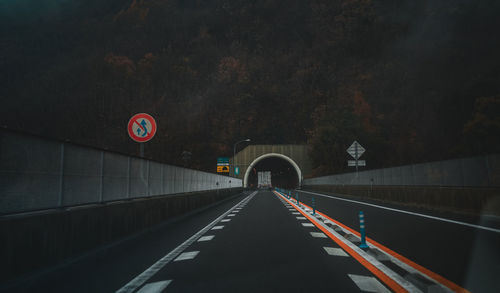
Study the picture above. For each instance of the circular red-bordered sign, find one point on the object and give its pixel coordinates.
(141, 127)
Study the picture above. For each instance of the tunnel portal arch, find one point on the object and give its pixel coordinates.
(271, 155)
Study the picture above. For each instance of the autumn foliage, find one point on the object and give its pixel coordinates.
(412, 81)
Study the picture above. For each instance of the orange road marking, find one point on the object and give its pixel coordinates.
(381, 275)
(451, 285)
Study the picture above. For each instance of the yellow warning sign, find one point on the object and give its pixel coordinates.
(222, 169)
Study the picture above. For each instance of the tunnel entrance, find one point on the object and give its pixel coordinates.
(284, 172)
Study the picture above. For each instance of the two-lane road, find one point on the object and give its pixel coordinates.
(252, 243)
(263, 242)
(263, 246)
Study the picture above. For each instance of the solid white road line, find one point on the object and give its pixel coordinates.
(368, 284)
(187, 255)
(155, 287)
(335, 251)
(206, 238)
(217, 227)
(391, 274)
(308, 224)
(318, 235)
(157, 266)
(407, 212)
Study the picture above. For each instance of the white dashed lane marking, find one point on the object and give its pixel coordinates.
(308, 224)
(217, 227)
(155, 287)
(295, 213)
(206, 238)
(368, 284)
(143, 277)
(187, 255)
(318, 235)
(335, 251)
(225, 220)
(231, 215)
(301, 218)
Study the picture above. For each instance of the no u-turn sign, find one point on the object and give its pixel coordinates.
(141, 127)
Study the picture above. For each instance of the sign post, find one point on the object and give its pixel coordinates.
(356, 150)
(141, 128)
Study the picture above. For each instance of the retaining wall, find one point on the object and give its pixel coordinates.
(465, 185)
(36, 241)
(38, 173)
(473, 201)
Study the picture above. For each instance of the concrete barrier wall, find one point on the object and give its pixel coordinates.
(36, 241)
(464, 200)
(483, 171)
(467, 185)
(37, 174)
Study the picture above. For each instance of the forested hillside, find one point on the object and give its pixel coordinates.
(412, 81)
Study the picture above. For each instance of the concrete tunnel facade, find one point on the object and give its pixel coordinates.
(254, 155)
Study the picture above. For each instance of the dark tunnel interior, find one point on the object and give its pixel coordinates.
(283, 174)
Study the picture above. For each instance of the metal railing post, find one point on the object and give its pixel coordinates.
(147, 177)
(128, 177)
(101, 191)
(61, 177)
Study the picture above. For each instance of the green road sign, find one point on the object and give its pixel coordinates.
(236, 170)
(223, 160)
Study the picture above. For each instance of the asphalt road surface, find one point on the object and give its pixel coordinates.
(263, 242)
(462, 249)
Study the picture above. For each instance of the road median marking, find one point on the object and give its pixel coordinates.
(402, 261)
(366, 258)
(392, 280)
(368, 284)
(318, 235)
(335, 251)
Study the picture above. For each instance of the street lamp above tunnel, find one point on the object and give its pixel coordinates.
(234, 152)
